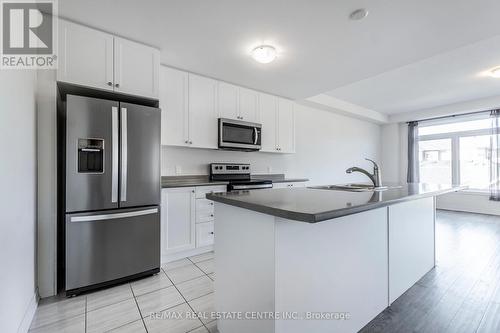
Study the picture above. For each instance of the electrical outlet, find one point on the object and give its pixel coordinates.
(178, 170)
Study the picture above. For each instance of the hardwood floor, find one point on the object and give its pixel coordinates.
(462, 293)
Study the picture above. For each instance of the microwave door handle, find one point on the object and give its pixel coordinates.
(256, 135)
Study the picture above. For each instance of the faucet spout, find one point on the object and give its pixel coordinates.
(376, 177)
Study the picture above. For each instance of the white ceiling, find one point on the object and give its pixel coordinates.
(448, 78)
(319, 48)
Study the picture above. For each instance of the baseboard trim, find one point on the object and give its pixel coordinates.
(184, 254)
(29, 314)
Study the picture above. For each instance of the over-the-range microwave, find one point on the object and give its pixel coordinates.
(239, 135)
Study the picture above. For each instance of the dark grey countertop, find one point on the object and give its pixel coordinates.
(316, 205)
(204, 180)
(279, 178)
(188, 181)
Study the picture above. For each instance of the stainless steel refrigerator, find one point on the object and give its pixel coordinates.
(111, 188)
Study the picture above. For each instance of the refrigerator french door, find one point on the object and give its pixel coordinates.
(112, 192)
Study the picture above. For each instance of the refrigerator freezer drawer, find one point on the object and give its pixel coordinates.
(109, 245)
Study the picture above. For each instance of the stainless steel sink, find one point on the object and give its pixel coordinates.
(354, 187)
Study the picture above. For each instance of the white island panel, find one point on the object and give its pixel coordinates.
(244, 265)
(339, 265)
(411, 244)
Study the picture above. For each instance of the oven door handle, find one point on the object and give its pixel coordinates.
(251, 187)
(256, 135)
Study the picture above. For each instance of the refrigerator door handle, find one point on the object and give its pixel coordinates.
(114, 154)
(123, 185)
(91, 218)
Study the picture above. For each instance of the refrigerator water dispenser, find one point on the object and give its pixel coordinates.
(90, 156)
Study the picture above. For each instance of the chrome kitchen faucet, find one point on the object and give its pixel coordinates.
(376, 177)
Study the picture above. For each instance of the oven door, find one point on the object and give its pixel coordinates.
(239, 135)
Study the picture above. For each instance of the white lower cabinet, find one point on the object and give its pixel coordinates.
(177, 219)
(187, 221)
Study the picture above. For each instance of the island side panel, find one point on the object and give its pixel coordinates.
(244, 267)
(339, 265)
(411, 244)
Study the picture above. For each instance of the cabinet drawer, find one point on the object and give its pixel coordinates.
(204, 234)
(288, 185)
(201, 191)
(204, 210)
(283, 185)
(204, 216)
(204, 205)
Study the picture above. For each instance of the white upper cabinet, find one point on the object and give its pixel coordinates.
(286, 126)
(248, 105)
(85, 56)
(136, 68)
(268, 117)
(237, 103)
(191, 105)
(202, 112)
(174, 107)
(96, 59)
(278, 124)
(227, 97)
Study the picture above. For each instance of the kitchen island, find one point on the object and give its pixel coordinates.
(314, 260)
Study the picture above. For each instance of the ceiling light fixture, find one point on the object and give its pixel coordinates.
(264, 54)
(495, 72)
(358, 14)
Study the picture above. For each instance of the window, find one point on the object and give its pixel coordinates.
(455, 152)
(435, 161)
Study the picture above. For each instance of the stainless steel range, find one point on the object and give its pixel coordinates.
(238, 175)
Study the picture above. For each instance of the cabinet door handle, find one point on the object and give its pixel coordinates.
(211, 233)
(110, 83)
(186, 141)
(117, 85)
(211, 215)
(190, 142)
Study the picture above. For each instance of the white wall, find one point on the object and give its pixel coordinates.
(469, 202)
(17, 200)
(326, 145)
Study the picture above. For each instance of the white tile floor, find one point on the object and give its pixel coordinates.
(182, 288)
